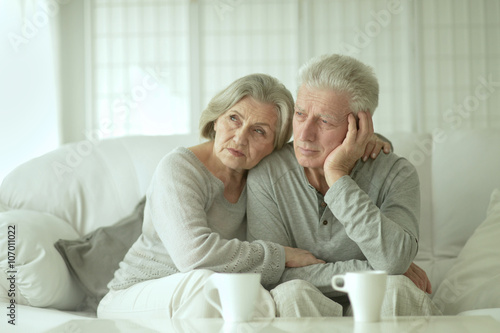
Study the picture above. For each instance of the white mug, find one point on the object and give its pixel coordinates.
(237, 294)
(366, 291)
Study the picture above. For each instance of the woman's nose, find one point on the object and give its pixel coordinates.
(241, 136)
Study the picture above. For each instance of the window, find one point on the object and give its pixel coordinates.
(155, 64)
(140, 67)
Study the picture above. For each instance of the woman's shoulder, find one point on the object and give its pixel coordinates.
(179, 156)
(182, 162)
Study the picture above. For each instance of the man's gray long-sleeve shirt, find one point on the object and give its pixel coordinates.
(368, 220)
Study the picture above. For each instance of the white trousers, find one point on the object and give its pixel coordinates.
(176, 296)
(181, 296)
(298, 298)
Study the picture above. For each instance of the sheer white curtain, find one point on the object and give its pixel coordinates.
(155, 64)
(459, 62)
(29, 114)
(381, 34)
(437, 61)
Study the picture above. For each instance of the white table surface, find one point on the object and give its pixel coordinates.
(453, 324)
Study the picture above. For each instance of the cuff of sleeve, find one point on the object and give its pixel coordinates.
(274, 262)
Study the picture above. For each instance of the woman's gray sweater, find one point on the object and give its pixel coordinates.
(189, 224)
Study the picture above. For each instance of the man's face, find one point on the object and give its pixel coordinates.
(319, 124)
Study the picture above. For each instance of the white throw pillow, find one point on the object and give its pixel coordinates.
(472, 282)
(31, 269)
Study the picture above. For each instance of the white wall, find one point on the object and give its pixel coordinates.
(29, 111)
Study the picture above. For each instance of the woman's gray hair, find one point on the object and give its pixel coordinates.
(343, 74)
(261, 87)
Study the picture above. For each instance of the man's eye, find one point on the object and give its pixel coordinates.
(260, 131)
(324, 121)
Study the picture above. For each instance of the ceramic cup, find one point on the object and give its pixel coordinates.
(366, 292)
(237, 294)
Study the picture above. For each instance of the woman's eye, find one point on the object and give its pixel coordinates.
(233, 117)
(324, 121)
(260, 131)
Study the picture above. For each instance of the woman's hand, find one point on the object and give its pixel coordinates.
(419, 277)
(299, 258)
(374, 146)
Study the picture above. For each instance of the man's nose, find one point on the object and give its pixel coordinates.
(307, 130)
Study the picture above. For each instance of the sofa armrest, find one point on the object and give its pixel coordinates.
(32, 272)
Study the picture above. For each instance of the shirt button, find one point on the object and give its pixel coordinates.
(323, 204)
(325, 222)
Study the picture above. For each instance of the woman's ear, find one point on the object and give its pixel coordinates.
(215, 125)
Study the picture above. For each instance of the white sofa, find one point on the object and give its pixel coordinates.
(77, 188)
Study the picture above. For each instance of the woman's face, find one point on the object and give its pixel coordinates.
(245, 133)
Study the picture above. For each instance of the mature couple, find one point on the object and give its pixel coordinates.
(314, 208)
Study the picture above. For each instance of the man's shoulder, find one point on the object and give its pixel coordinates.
(278, 157)
(383, 167)
(393, 160)
(277, 163)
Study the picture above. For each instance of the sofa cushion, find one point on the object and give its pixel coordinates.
(89, 184)
(464, 173)
(472, 283)
(38, 275)
(417, 148)
(94, 258)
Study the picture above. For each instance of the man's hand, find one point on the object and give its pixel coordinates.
(343, 158)
(298, 258)
(374, 146)
(419, 277)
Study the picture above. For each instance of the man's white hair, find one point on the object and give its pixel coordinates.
(343, 74)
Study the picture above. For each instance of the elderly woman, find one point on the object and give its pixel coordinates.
(194, 219)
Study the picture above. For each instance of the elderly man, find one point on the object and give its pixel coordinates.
(319, 194)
